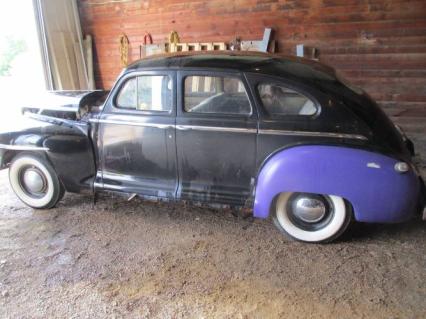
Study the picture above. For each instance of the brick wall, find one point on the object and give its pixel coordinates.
(379, 45)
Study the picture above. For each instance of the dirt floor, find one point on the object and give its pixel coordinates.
(161, 260)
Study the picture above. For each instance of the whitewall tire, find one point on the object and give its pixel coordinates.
(35, 181)
(313, 218)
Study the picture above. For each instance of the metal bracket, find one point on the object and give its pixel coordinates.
(255, 45)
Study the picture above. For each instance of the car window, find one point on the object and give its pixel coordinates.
(127, 97)
(280, 100)
(146, 93)
(213, 94)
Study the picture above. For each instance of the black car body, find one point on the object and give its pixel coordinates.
(208, 126)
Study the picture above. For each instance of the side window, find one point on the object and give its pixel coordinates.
(146, 93)
(280, 100)
(212, 94)
(127, 97)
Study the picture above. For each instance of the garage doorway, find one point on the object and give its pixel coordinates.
(21, 71)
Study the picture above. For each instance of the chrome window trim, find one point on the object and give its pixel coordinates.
(207, 73)
(135, 75)
(294, 88)
(313, 134)
(23, 147)
(110, 106)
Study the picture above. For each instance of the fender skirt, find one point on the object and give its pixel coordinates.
(367, 180)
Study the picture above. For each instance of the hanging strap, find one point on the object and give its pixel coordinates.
(147, 38)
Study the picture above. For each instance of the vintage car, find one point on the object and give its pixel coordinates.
(283, 136)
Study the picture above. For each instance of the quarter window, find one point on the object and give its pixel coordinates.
(213, 94)
(146, 93)
(280, 100)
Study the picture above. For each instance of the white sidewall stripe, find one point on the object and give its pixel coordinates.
(14, 182)
(328, 231)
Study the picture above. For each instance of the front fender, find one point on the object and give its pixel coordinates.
(367, 180)
(65, 144)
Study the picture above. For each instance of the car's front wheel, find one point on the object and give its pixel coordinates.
(35, 181)
(313, 218)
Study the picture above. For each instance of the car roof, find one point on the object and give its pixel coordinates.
(245, 61)
(209, 59)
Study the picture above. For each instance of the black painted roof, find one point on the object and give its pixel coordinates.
(237, 60)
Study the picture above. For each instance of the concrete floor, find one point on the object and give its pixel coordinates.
(146, 260)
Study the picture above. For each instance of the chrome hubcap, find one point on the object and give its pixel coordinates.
(34, 181)
(309, 209)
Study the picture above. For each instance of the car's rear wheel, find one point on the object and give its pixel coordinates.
(35, 181)
(313, 218)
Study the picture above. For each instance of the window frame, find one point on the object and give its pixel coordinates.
(119, 92)
(182, 75)
(114, 108)
(298, 88)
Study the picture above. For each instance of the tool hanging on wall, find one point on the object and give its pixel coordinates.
(124, 50)
(148, 48)
(146, 38)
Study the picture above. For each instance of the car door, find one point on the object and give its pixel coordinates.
(137, 135)
(216, 130)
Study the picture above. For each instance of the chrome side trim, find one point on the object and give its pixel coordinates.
(313, 134)
(119, 122)
(97, 185)
(233, 129)
(216, 129)
(179, 127)
(109, 187)
(23, 147)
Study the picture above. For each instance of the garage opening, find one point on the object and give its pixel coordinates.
(20, 60)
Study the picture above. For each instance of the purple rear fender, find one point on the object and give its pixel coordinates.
(367, 180)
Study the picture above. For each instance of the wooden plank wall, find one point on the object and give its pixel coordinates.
(379, 45)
